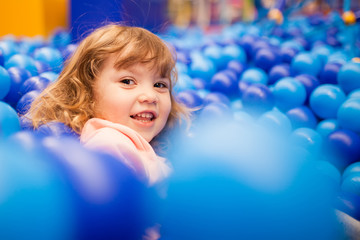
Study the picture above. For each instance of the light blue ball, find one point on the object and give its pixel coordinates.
(326, 99)
(307, 138)
(254, 75)
(275, 121)
(349, 114)
(349, 76)
(9, 120)
(354, 94)
(51, 56)
(234, 52)
(8, 48)
(306, 63)
(351, 184)
(327, 126)
(289, 93)
(22, 61)
(351, 169)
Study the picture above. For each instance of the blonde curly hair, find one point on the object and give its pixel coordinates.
(70, 99)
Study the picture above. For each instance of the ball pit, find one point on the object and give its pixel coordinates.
(274, 141)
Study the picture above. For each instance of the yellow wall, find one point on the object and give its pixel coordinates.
(32, 17)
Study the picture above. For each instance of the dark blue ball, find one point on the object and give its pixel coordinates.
(247, 42)
(18, 77)
(302, 117)
(23, 105)
(329, 73)
(34, 83)
(2, 58)
(344, 147)
(224, 82)
(348, 203)
(42, 66)
(277, 72)
(266, 58)
(190, 98)
(258, 99)
(287, 54)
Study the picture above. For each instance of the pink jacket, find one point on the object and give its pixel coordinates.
(128, 146)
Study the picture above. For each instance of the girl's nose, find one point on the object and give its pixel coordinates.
(148, 97)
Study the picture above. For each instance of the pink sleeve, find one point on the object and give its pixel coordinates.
(117, 144)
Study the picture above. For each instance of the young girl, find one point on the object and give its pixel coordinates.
(116, 92)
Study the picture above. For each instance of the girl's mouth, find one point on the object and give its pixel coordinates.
(143, 117)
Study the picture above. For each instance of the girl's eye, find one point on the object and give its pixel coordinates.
(160, 85)
(128, 81)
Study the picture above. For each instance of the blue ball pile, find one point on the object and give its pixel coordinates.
(273, 148)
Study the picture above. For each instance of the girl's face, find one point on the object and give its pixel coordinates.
(136, 97)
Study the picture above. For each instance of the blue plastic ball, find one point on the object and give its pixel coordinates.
(354, 94)
(184, 82)
(22, 61)
(18, 77)
(23, 105)
(287, 54)
(35, 201)
(215, 54)
(189, 98)
(302, 117)
(2, 58)
(266, 58)
(276, 121)
(348, 203)
(289, 93)
(34, 83)
(305, 63)
(224, 82)
(329, 73)
(278, 71)
(307, 138)
(215, 110)
(351, 184)
(9, 120)
(349, 76)
(326, 99)
(42, 66)
(5, 82)
(254, 75)
(247, 42)
(349, 114)
(60, 38)
(8, 49)
(257, 99)
(327, 126)
(344, 146)
(50, 75)
(202, 68)
(216, 97)
(310, 83)
(51, 56)
(234, 52)
(351, 169)
(109, 202)
(236, 66)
